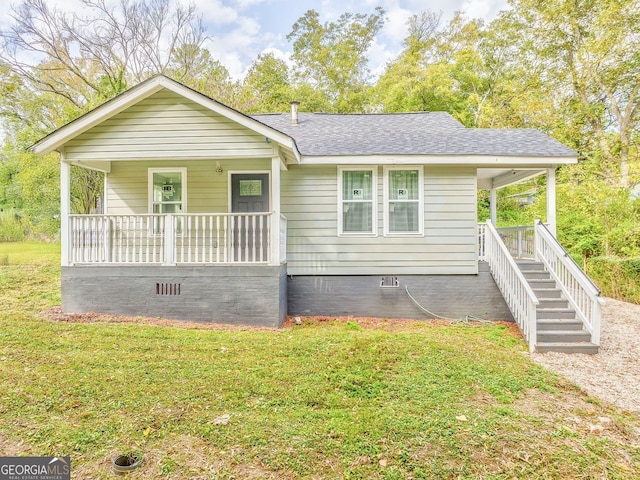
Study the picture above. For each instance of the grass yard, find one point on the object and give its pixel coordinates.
(318, 401)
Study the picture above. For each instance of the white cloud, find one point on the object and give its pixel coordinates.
(216, 12)
(248, 3)
(487, 9)
(238, 47)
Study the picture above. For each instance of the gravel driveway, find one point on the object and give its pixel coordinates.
(614, 374)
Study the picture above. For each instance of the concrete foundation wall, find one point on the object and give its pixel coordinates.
(452, 296)
(242, 295)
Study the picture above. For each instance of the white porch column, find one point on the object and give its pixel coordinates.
(493, 206)
(551, 200)
(65, 211)
(274, 235)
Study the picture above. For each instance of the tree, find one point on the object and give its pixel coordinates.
(586, 52)
(331, 57)
(267, 87)
(405, 85)
(74, 63)
(99, 53)
(440, 69)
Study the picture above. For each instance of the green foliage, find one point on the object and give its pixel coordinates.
(12, 227)
(331, 57)
(267, 87)
(618, 277)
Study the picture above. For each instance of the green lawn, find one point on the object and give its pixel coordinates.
(329, 400)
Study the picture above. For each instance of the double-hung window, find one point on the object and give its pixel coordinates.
(403, 204)
(357, 201)
(167, 192)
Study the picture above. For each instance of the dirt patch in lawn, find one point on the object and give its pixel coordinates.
(55, 314)
(10, 448)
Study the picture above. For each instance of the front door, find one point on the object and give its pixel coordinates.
(250, 194)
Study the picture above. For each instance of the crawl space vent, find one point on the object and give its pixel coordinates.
(167, 289)
(389, 282)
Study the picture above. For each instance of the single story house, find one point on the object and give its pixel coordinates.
(214, 215)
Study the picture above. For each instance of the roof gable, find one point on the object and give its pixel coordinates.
(140, 92)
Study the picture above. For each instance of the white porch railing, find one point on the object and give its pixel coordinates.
(174, 239)
(577, 287)
(515, 289)
(519, 240)
(116, 239)
(481, 241)
(283, 238)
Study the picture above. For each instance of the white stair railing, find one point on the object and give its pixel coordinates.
(515, 289)
(577, 287)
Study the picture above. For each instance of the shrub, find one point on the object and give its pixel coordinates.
(618, 277)
(12, 227)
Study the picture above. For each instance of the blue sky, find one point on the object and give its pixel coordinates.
(241, 29)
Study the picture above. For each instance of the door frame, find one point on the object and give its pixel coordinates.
(241, 172)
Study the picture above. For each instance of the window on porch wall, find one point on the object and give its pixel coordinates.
(167, 190)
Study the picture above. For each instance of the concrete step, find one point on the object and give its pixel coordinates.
(550, 302)
(536, 275)
(563, 347)
(555, 313)
(564, 324)
(547, 292)
(563, 336)
(524, 265)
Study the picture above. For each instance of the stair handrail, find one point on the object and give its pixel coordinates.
(556, 245)
(515, 289)
(582, 294)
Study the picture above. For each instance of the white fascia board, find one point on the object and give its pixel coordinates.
(514, 177)
(98, 115)
(97, 165)
(480, 161)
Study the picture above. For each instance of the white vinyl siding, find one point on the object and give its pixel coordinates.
(448, 246)
(167, 126)
(128, 193)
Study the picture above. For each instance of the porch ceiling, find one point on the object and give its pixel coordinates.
(489, 178)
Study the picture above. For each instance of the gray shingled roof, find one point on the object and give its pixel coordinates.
(421, 133)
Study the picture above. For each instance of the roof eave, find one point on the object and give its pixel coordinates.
(480, 161)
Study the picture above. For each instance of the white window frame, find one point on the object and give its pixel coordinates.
(374, 202)
(386, 201)
(182, 170)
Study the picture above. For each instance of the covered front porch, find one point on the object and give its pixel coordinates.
(201, 212)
